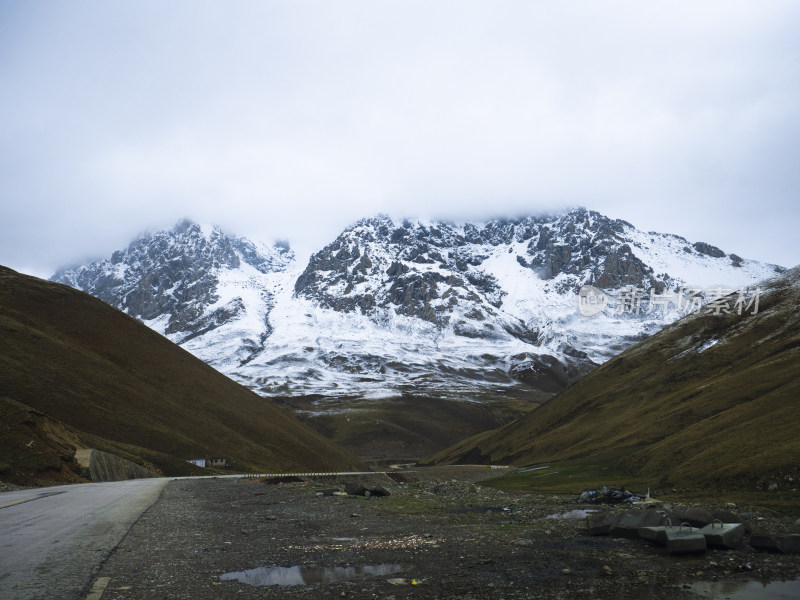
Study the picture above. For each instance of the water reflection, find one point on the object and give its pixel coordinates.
(747, 590)
(300, 575)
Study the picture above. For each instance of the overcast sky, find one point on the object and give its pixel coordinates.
(291, 119)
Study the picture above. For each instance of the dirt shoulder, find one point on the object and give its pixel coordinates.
(428, 539)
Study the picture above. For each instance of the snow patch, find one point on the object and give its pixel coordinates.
(707, 345)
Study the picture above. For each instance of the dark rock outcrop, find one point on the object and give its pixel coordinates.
(708, 249)
(174, 274)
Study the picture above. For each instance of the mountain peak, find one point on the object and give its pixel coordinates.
(180, 278)
(483, 291)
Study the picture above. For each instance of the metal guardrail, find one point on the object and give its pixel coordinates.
(313, 474)
(349, 473)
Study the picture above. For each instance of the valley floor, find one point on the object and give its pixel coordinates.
(439, 535)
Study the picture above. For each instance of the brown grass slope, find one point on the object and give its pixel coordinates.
(407, 428)
(92, 368)
(663, 408)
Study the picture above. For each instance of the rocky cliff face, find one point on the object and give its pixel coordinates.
(430, 271)
(184, 282)
(392, 308)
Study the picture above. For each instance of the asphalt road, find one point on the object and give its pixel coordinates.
(53, 540)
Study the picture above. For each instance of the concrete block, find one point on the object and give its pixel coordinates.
(599, 523)
(726, 516)
(696, 516)
(627, 523)
(723, 535)
(656, 534)
(685, 540)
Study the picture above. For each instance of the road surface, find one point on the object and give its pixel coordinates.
(53, 540)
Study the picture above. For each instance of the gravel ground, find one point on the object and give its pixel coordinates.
(429, 539)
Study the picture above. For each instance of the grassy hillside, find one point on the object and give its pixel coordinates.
(675, 409)
(407, 428)
(101, 373)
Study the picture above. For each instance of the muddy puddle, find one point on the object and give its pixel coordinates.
(301, 575)
(572, 514)
(747, 590)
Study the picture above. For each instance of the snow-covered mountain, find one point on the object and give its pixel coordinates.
(193, 283)
(449, 310)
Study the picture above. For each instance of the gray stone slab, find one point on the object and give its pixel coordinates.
(599, 523)
(696, 516)
(723, 535)
(627, 523)
(788, 543)
(726, 516)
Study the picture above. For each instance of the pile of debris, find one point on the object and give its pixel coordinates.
(609, 494)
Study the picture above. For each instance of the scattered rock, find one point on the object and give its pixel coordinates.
(523, 542)
(357, 489)
(379, 492)
(354, 489)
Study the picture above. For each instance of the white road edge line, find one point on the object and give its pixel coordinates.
(98, 588)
